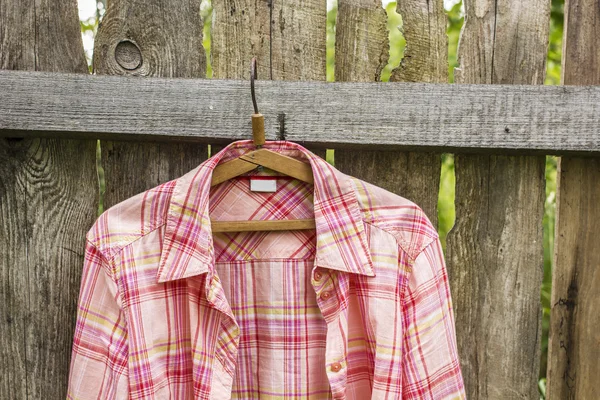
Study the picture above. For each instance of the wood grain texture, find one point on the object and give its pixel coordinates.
(48, 201)
(501, 119)
(288, 40)
(504, 42)
(267, 158)
(281, 163)
(156, 38)
(270, 225)
(362, 48)
(298, 50)
(425, 58)
(132, 168)
(573, 349)
(495, 257)
(495, 249)
(361, 41)
(298, 40)
(241, 29)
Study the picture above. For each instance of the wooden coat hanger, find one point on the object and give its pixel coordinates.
(258, 159)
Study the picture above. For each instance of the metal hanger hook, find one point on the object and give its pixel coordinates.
(253, 76)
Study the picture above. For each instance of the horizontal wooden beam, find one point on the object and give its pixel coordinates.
(379, 115)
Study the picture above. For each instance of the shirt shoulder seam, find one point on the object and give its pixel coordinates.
(116, 250)
(403, 244)
(412, 256)
(112, 271)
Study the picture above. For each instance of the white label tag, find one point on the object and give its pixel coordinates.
(263, 185)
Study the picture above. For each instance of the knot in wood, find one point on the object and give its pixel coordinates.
(128, 55)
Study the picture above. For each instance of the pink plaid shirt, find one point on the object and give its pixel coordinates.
(358, 308)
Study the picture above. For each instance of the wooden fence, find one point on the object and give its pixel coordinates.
(388, 133)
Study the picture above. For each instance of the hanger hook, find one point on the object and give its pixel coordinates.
(253, 76)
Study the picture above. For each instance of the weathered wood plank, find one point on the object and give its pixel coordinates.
(573, 350)
(361, 41)
(467, 118)
(288, 42)
(134, 39)
(298, 48)
(426, 54)
(362, 48)
(241, 30)
(494, 254)
(48, 201)
(495, 250)
(503, 42)
(298, 40)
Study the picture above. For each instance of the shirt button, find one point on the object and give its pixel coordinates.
(336, 366)
(325, 295)
(318, 275)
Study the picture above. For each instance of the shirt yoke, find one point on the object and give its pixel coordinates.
(131, 219)
(135, 217)
(398, 216)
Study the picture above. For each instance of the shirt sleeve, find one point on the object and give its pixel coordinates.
(98, 368)
(431, 367)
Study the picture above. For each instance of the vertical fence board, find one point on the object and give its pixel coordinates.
(495, 250)
(149, 38)
(426, 54)
(574, 340)
(362, 49)
(573, 350)
(288, 40)
(298, 45)
(298, 40)
(48, 201)
(241, 30)
(361, 41)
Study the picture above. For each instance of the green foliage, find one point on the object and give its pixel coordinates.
(395, 34)
(330, 44)
(206, 13)
(396, 39)
(101, 179)
(446, 212)
(455, 23)
(555, 44)
(88, 28)
(549, 219)
(553, 77)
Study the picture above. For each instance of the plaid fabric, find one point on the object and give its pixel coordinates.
(358, 308)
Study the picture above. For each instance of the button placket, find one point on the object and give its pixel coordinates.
(229, 335)
(336, 367)
(336, 285)
(325, 295)
(324, 286)
(318, 275)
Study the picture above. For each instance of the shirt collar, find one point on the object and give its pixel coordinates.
(341, 243)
